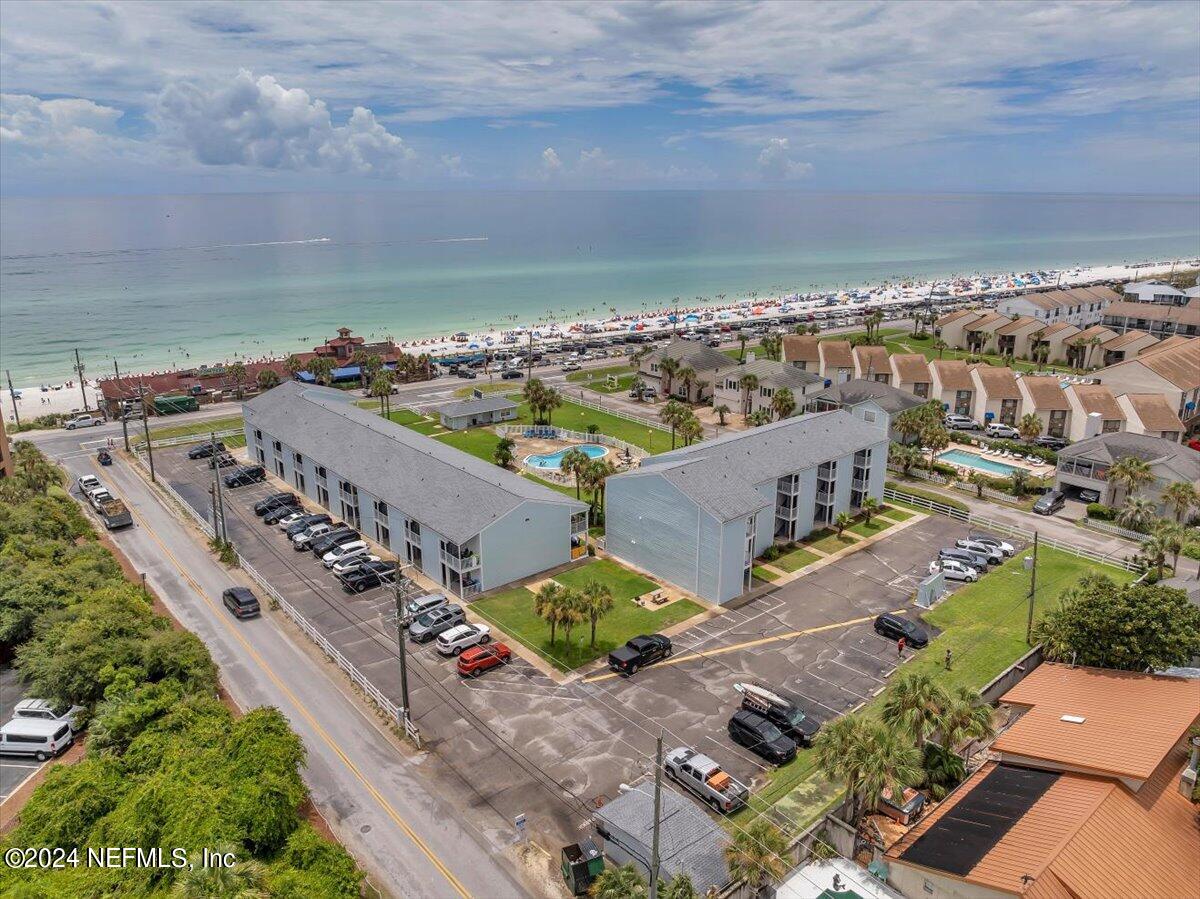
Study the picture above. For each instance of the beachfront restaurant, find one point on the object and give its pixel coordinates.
(467, 524)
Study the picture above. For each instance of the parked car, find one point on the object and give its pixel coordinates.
(1050, 502)
(415, 608)
(45, 710)
(464, 636)
(284, 515)
(305, 522)
(321, 545)
(1089, 496)
(222, 460)
(348, 563)
(639, 652)
(703, 777)
(244, 476)
(204, 450)
(367, 576)
(1003, 545)
(512, 374)
(895, 626)
(1001, 430)
(781, 709)
(478, 659)
(1054, 443)
(960, 422)
(274, 501)
(431, 624)
(303, 538)
(760, 736)
(40, 739)
(978, 561)
(954, 570)
(83, 421)
(349, 549)
(571, 366)
(88, 483)
(467, 374)
(241, 602)
(993, 553)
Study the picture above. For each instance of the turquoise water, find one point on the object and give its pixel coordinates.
(553, 461)
(170, 281)
(974, 460)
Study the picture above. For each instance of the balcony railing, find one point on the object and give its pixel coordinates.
(859, 484)
(824, 496)
(465, 562)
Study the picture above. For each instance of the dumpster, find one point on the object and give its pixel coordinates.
(172, 405)
(581, 865)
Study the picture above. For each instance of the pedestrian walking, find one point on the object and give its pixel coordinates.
(900, 644)
(949, 658)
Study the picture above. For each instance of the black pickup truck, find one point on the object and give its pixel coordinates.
(639, 652)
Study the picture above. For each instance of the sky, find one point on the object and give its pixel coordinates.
(110, 97)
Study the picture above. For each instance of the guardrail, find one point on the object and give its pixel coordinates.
(373, 693)
(1006, 529)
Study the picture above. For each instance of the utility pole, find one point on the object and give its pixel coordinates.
(12, 396)
(1032, 592)
(404, 716)
(146, 427)
(82, 386)
(219, 528)
(124, 421)
(529, 361)
(658, 767)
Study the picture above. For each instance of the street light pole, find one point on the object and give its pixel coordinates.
(12, 396)
(658, 767)
(124, 421)
(1032, 592)
(82, 386)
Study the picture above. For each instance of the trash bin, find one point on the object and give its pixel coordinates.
(581, 864)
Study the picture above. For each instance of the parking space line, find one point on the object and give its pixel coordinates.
(738, 752)
(749, 644)
(855, 670)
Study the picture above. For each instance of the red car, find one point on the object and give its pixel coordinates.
(478, 659)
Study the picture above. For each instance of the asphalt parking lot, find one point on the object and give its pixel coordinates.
(14, 770)
(529, 745)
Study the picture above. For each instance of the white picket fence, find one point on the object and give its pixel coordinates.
(1003, 528)
(373, 693)
(567, 434)
(600, 407)
(184, 438)
(1116, 530)
(961, 486)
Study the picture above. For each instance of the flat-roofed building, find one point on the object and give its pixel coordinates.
(467, 524)
(1154, 292)
(1087, 795)
(698, 516)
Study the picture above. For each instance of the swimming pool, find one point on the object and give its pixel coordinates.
(553, 461)
(974, 460)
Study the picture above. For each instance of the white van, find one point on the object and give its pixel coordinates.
(40, 739)
(44, 710)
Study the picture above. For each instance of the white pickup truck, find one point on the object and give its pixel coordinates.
(701, 775)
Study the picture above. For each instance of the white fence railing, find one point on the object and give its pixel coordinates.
(335, 655)
(553, 432)
(1006, 529)
(1116, 530)
(140, 439)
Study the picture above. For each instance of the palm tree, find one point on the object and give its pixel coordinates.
(381, 388)
(760, 417)
(749, 384)
(373, 366)
(937, 438)
(242, 880)
(618, 883)
(267, 378)
(570, 613)
(551, 401)
(597, 601)
(36, 472)
(1020, 482)
(237, 374)
(891, 763)
(783, 403)
(672, 414)
(1131, 473)
(1092, 344)
(1155, 550)
(359, 358)
(721, 410)
(1137, 513)
(941, 346)
(690, 429)
(293, 365)
(910, 423)
(1181, 497)
(742, 338)
(321, 368)
(869, 507)
(686, 375)
(914, 705)
(965, 717)
(1175, 538)
(534, 394)
(679, 887)
(843, 521)
(667, 367)
(595, 475)
(1030, 426)
(905, 455)
(547, 603)
(872, 322)
(771, 345)
(839, 752)
(574, 460)
(502, 455)
(758, 854)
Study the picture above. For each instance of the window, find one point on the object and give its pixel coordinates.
(257, 434)
(278, 446)
(921, 389)
(1111, 426)
(868, 415)
(928, 887)
(297, 460)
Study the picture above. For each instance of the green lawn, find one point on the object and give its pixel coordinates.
(512, 612)
(906, 487)
(479, 442)
(497, 386)
(422, 424)
(896, 514)
(833, 543)
(870, 530)
(762, 574)
(137, 432)
(577, 418)
(795, 560)
(585, 376)
(907, 344)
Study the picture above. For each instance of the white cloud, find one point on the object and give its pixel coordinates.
(261, 124)
(551, 165)
(775, 162)
(594, 163)
(452, 165)
(57, 127)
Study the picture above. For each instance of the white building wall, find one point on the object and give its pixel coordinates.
(652, 525)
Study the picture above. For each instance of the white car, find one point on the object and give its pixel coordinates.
(960, 422)
(45, 710)
(351, 562)
(998, 429)
(83, 421)
(305, 537)
(571, 366)
(288, 520)
(464, 636)
(345, 551)
(88, 482)
(954, 570)
(1003, 545)
(994, 554)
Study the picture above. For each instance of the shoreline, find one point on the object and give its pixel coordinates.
(910, 292)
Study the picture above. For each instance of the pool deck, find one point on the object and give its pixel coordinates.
(1038, 469)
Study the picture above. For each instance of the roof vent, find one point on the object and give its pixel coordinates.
(1073, 719)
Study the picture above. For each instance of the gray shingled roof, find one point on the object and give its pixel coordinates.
(452, 492)
(720, 475)
(1153, 450)
(493, 403)
(688, 841)
(857, 390)
(777, 374)
(694, 353)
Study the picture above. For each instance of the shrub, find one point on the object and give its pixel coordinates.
(1101, 512)
(945, 469)
(771, 553)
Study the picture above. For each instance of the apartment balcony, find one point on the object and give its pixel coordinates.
(859, 484)
(467, 561)
(469, 590)
(824, 497)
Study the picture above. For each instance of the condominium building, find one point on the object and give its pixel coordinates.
(1079, 306)
(997, 397)
(1094, 410)
(1157, 319)
(705, 363)
(1171, 369)
(910, 371)
(953, 386)
(467, 524)
(873, 401)
(699, 516)
(769, 377)
(1044, 397)
(1158, 292)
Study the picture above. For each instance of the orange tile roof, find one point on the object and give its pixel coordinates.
(999, 382)
(1154, 412)
(873, 358)
(957, 315)
(1017, 325)
(1058, 327)
(837, 353)
(800, 348)
(911, 367)
(1094, 331)
(1097, 398)
(1131, 720)
(953, 374)
(1046, 393)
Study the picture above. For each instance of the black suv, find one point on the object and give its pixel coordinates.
(1054, 443)
(268, 504)
(336, 537)
(247, 474)
(760, 736)
(241, 602)
(307, 522)
(787, 715)
(367, 576)
(204, 450)
(896, 626)
(1050, 502)
(221, 460)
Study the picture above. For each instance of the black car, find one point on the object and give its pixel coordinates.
(896, 626)
(639, 652)
(263, 506)
(760, 736)
(282, 511)
(305, 523)
(467, 374)
(512, 374)
(247, 474)
(241, 602)
(204, 450)
(1050, 502)
(221, 460)
(336, 537)
(784, 711)
(1054, 443)
(367, 576)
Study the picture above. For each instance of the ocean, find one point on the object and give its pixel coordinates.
(170, 281)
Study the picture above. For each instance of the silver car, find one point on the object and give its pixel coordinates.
(436, 622)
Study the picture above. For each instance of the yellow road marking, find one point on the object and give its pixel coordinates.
(375, 794)
(721, 650)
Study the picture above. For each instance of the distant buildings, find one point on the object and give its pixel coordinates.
(1088, 796)
(467, 524)
(1079, 306)
(1158, 319)
(700, 515)
(485, 410)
